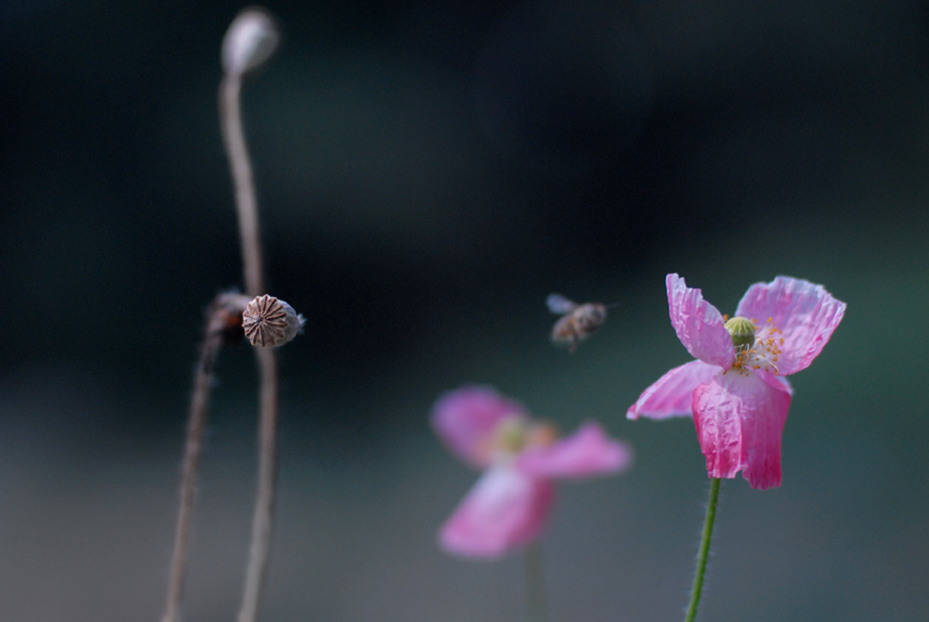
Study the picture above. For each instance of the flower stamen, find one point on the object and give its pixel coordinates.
(755, 348)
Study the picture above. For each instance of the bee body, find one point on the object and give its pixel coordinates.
(577, 321)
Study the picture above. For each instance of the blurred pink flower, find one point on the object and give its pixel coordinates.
(735, 390)
(520, 457)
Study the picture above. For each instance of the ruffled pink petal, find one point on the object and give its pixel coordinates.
(465, 420)
(586, 453)
(739, 421)
(805, 313)
(698, 324)
(672, 395)
(505, 510)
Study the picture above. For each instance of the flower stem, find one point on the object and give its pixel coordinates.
(263, 518)
(536, 597)
(196, 420)
(230, 113)
(247, 207)
(215, 334)
(704, 550)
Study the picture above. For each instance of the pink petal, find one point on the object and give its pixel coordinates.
(505, 510)
(586, 453)
(465, 420)
(672, 395)
(698, 324)
(739, 419)
(805, 313)
(778, 382)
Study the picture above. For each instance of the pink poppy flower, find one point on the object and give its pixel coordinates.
(735, 390)
(520, 458)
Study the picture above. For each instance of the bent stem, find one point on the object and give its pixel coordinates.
(536, 596)
(704, 550)
(223, 311)
(247, 207)
(230, 114)
(248, 44)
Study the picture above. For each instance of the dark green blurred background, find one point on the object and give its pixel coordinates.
(428, 173)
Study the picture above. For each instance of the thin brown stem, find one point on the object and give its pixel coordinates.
(250, 41)
(230, 114)
(263, 517)
(246, 203)
(222, 316)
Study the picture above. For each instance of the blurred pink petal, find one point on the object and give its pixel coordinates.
(672, 394)
(508, 506)
(465, 421)
(505, 510)
(698, 324)
(585, 453)
(739, 419)
(806, 314)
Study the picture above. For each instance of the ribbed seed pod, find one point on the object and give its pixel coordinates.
(270, 322)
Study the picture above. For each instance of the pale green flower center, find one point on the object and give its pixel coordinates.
(755, 348)
(742, 332)
(513, 434)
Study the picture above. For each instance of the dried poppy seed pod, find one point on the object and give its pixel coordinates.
(268, 321)
(250, 41)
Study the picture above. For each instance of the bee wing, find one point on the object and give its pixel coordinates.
(560, 305)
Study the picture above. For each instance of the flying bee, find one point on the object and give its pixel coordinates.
(577, 321)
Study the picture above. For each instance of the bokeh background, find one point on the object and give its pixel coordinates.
(428, 172)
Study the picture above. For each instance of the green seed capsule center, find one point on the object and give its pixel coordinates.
(742, 332)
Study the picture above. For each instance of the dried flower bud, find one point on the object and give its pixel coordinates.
(250, 41)
(268, 321)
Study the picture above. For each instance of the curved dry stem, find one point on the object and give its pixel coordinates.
(223, 312)
(230, 114)
(246, 203)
